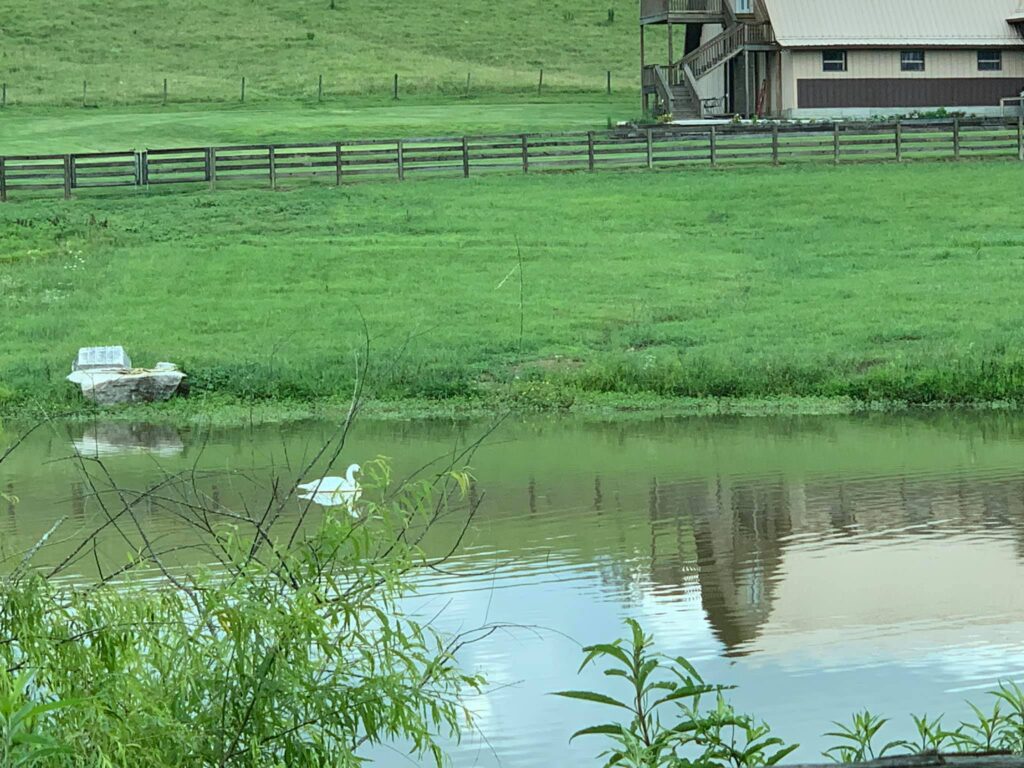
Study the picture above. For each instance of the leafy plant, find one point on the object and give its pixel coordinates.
(22, 717)
(857, 740)
(667, 727)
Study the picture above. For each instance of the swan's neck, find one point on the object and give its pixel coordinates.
(351, 476)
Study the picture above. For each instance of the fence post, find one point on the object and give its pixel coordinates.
(243, 89)
(3, 99)
(590, 150)
(775, 143)
(85, 90)
(272, 166)
(144, 168)
(650, 149)
(337, 163)
(540, 82)
(165, 91)
(320, 88)
(3, 180)
(835, 143)
(713, 145)
(1020, 138)
(609, 82)
(899, 140)
(526, 153)
(956, 138)
(401, 159)
(211, 166)
(67, 177)
(396, 87)
(465, 157)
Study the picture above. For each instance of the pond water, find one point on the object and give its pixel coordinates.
(820, 564)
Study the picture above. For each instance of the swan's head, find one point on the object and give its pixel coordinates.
(353, 469)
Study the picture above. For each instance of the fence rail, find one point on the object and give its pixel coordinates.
(680, 146)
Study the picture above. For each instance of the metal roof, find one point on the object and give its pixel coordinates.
(878, 23)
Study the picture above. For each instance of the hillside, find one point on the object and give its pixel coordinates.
(125, 48)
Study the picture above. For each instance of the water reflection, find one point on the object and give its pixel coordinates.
(884, 552)
(98, 439)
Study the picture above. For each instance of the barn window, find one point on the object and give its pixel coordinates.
(990, 61)
(912, 61)
(833, 61)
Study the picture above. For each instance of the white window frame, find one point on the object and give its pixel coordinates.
(829, 66)
(995, 58)
(913, 65)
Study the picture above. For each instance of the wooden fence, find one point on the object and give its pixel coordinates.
(671, 146)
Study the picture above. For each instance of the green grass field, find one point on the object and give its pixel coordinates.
(124, 49)
(872, 282)
(60, 130)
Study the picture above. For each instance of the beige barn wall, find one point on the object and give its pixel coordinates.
(886, 63)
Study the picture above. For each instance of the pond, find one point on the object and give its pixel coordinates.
(822, 565)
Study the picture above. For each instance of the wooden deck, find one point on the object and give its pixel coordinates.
(682, 11)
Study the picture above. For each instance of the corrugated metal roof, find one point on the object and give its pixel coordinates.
(920, 23)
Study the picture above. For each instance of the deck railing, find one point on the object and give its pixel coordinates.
(724, 46)
(699, 8)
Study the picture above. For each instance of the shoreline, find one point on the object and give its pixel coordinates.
(231, 412)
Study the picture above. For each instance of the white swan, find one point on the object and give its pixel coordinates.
(334, 491)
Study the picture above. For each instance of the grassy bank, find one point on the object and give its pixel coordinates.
(124, 49)
(815, 282)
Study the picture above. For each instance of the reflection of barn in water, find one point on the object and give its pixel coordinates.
(742, 528)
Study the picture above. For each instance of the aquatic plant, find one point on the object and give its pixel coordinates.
(669, 726)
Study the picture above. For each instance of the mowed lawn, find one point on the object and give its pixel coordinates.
(878, 281)
(63, 130)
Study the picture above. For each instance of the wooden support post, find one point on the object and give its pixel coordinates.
(85, 91)
(540, 82)
(3, 97)
(401, 160)
(650, 149)
(67, 177)
(395, 95)
(609, 82)
(899, 140)
(320, 88)
(243, 89)
(590, 150)
(165, 91)
(671, 47)
(144, 168)
(211, 167)
(469, 82)
(643, 66)
(3, 180)
(713, 145)
(775, 144)
(272, 166)
(526, 153)
(138, 169)
(835, 143)
(1020, 138)
(956, 138)
(465, 157)
(337, 164)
